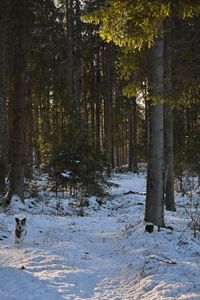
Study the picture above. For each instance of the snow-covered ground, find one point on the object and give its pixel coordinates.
(105, 254)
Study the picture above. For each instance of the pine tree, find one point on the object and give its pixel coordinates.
(3, 107)
(20, 16)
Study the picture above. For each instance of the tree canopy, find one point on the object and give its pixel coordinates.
(134, 27)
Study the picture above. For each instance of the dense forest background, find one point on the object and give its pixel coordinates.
(82, 87)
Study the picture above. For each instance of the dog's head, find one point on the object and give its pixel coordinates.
(20, 224)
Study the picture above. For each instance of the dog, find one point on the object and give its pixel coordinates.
(20, 230)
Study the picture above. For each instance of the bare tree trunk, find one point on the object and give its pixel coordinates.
(169, 151)
(130, 141)
(169, 158)
(17, 151)
(146, 134)
(3, 113)
(154, 210)
(98, 104)
(29, 132)
(77, 61)
(132, 136)
(69, 48)
(108, 110)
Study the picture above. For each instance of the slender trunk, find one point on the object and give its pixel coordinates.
(130, 141)
(77, 61)
(108, 109)
(132, 136)
(36, 134)
(169, 160)
(97, 125)
(29, 132)
(117, 128)
(18, 102)
(169, 151)
(154, 211)
(69, 48)
(146, 134)
(3, 113)
(123, 161)
(98, 104)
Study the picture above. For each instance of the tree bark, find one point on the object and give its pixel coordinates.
(3, 113)
(169, 151)
(169, 160)
(98, 104)
(17, 151)
(29, 131)
(77, 61)
(154, 210)
(69, 48)
(132, 136)
(108, 109)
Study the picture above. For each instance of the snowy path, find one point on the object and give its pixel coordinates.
(105, 255)
(79, 260)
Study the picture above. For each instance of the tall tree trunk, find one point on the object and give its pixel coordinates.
(154, 210)
(169, 160)
(69, 48)
(29, 131)
(146, 129)
(108, 109)
(77, 60)
(36, 134)
(17, 151)
(130, 140)
(3, 113)
(169, 151)
(98, 103)
(132, 136)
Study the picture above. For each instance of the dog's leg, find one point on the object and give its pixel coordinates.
(23, 237)
(16, 241)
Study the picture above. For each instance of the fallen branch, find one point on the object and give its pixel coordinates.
(164, 259)
(135, 193)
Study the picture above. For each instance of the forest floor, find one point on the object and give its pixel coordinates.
(105, 254)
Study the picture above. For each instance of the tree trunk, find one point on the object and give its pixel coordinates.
(130, 140)
(154, 210)
(108, 109)
(69, 48)
(98, 104)
(77, 60)
(146, 133)
(169, 151)
(169, 160)
(17, 151)
(3, 113)
(132, 136)
(29, 132)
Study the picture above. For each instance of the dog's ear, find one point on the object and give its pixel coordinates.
(24, 221)
(17, 220)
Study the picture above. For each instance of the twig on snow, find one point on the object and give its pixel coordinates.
(164, 259)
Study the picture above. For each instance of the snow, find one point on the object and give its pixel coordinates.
(66, 174)
(106, 254)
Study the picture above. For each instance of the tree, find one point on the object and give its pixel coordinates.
(108, 105)
(3, 75)
(168, 119)
(154, 211)
(132, 135)
(20, 18)
(134, 33)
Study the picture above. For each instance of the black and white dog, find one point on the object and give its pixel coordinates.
(20, 230)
